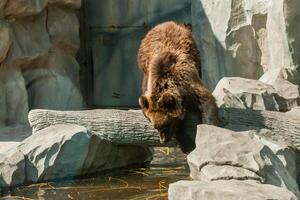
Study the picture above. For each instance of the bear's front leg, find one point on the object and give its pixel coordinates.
(206, 105)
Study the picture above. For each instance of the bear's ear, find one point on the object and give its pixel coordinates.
(188, 26)
(167, 101)
(143, 101)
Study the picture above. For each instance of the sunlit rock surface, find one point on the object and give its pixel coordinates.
(286, 82)
(222, 154)
(245, 38)
(235, 92)
(227, 190)
(294, 112)
(238, 165)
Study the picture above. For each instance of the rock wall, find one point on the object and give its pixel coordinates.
(38, 69)
(245, 38)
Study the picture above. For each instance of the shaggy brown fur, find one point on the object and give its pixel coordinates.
(169, 58)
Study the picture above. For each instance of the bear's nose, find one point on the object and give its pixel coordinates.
(160, 128)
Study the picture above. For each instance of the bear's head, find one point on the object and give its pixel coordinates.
(164, 111)
(162, 103)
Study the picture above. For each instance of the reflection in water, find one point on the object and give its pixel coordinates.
(168, 166)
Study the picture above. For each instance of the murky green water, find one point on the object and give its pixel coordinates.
(151, 182)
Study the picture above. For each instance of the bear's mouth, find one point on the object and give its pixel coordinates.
(162, 138)
(164, 135)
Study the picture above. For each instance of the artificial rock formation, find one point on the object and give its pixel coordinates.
(226, 190)
(64, 151)
(39, 41)
(286, 82)
(234, 164)
(235, 92)
(245, 38)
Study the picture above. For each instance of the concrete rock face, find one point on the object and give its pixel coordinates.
(52, 90)
(63, 29)
(246, 38)
(248, 94)
(39, 41)
(5, 38)
(50, 154)
(222, 154)
(13, 99)
(24, 8)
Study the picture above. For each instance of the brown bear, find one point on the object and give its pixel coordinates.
(170, 60)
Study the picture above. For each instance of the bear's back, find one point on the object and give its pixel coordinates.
(169, 37)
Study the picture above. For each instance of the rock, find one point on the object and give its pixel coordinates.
(220, 147)
(232, 189)
(63, 28)
(67, 3)
(2, 5)
(12, 168)
(212, 172)
(272, 76)
(12, 136)
(16, 100)
(52, 90)
(13, 99)
(294, 112)
(283, 38)
(288, 155)
(286, 82)
(31, 42)
(5, 39)
(24, 8)
(229, 38)
(245, 37)
(253, 94)
(65, 65)
(50, 155)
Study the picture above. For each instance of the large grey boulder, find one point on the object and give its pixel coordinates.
(227, 190)
(12, 136)
(288, 155)
(245, 37)
(286, 82)
(65, 151)
(235, 92)
(12, 167)
(224, 154)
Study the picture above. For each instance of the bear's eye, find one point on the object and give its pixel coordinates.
(169, 103)
(144, 102)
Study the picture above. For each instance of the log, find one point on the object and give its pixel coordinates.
(131, 127)
(117, 126)
(282, 127)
